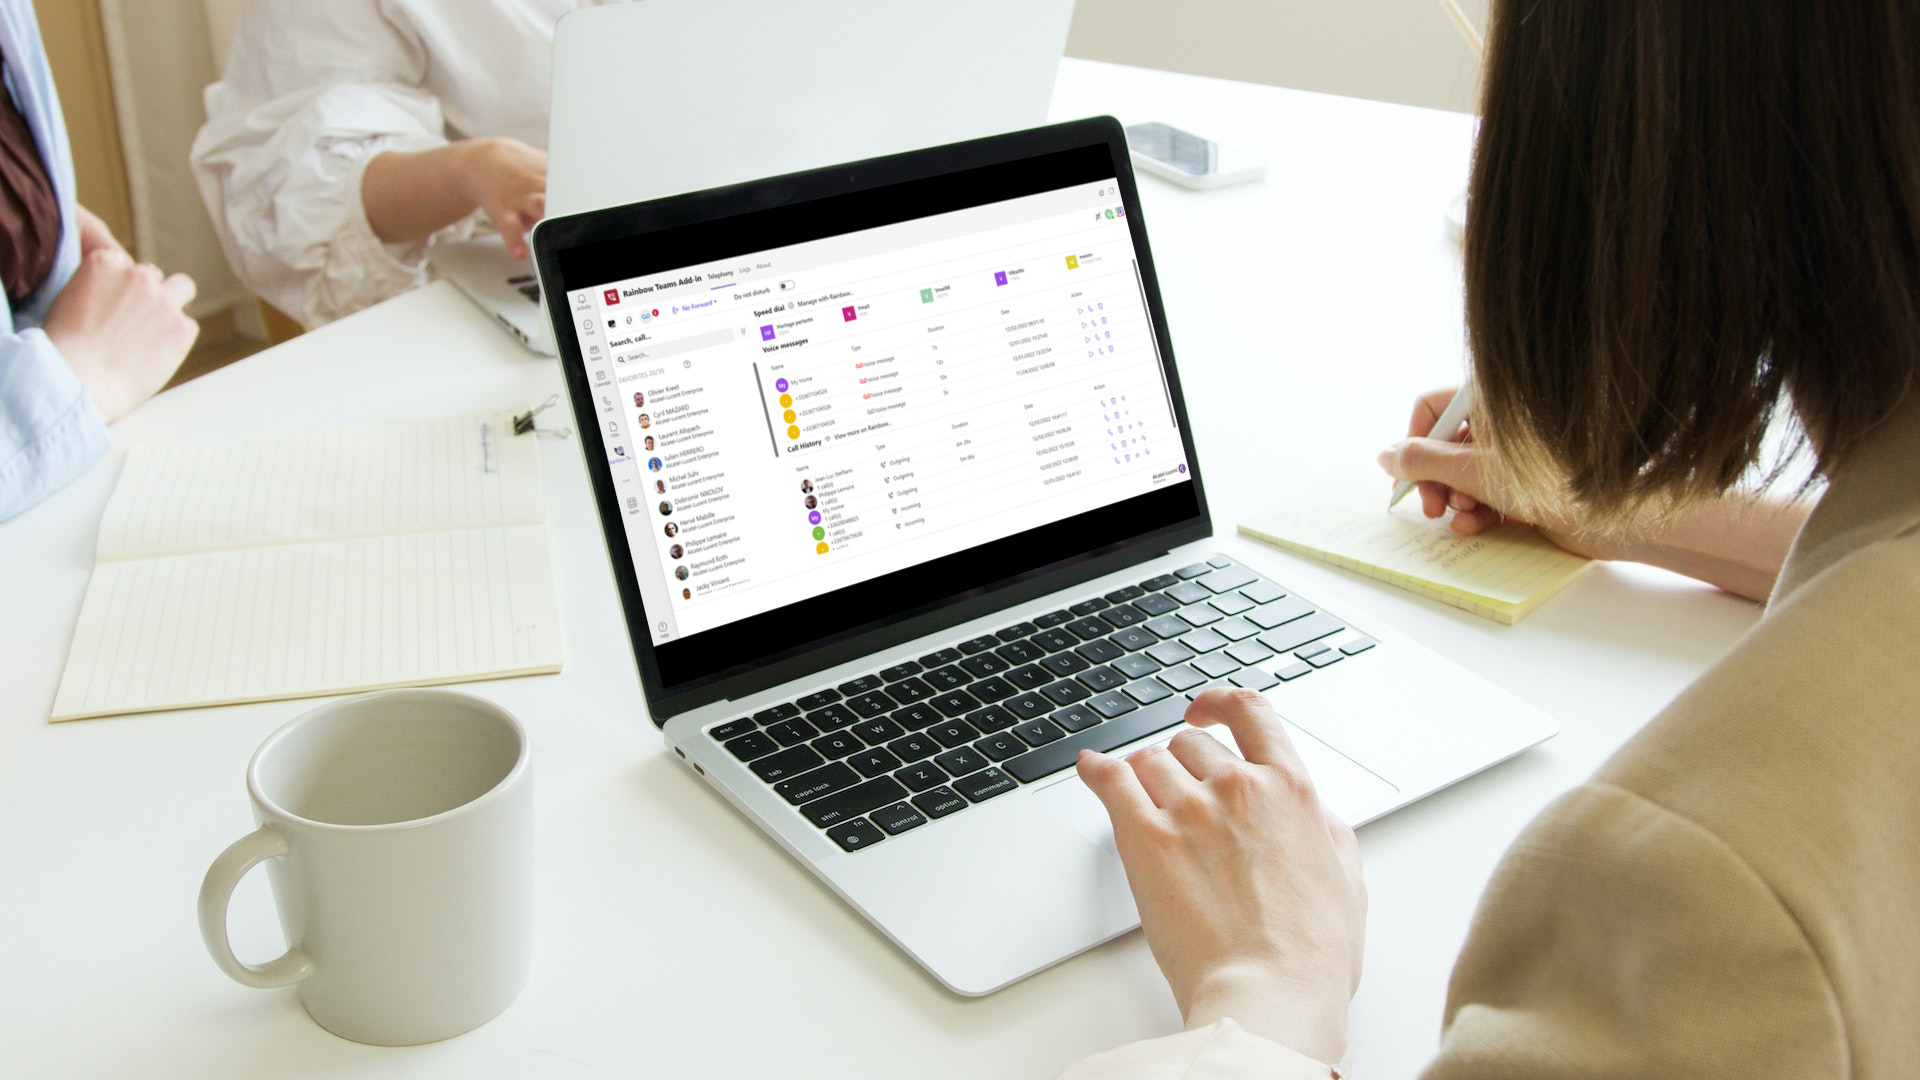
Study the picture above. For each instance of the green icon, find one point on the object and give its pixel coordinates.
(926, 296)
(819, 533)
(1109, 215)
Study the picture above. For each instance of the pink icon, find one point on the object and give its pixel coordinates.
(846, 313)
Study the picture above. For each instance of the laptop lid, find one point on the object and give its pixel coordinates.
(668, 96)
(830, 412)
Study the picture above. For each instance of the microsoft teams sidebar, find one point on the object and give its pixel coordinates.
(785, 424)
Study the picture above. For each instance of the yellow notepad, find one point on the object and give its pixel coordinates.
(1343, 519)
(322, 562)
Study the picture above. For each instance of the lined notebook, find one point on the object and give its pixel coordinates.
(1342, 518)
(324, 562)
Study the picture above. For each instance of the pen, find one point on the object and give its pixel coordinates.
(1450, 420)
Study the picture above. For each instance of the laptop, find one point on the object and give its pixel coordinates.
(499, 284)
(903, 508)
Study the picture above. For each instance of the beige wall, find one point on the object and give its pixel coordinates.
(76, 50)
(1389, 50)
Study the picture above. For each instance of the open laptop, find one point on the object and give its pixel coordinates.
(904, 510)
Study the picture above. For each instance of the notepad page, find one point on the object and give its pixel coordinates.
(371, 480)
(1501, 573)
(299, 620)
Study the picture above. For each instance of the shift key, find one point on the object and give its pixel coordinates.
(1111, 735)
(854, 801)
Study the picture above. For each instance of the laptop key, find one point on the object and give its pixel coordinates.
(1194, 571)
(1076, 718)
(874, 762)
(1331, 656)
(1263, 592)
(1060, 754)
(984, 665)
(915, 717)
(1188, 593)
(1037, 733)
(909, 690)
(979, 644)
(991, 719)
(921, 775)
(1168, 626)
(1227, 580)
(1029, 706)
(1053, 618)
(1170, 653)
(1125, 593)
(1064, 664)
(1156, 605)
(751, 745)
(1087, 607)
(790, 762)
(822, 781)
(1297, 633)
(1253, 678)
(1155, 584)
(1219, 561)
(861, 685)
(1358, 646)
(1000, 747)
(983, 786)
(914, 747)
(1020, 652)
(1089, 628)
(1016, 631)
(875, 732)
(1284, 610)
(1099, 679)
(815, 701)
(1099, 651)
(1230, 603)
(1030, 677)
(1065, 692)
(1198, 615)
(728, 730)
(1054, 640)
(954, 702)
(939, 802)
(953, 732)
(832, 718)
(961, 760)
(792, 732)
(937, 659)
(947, 678)
(1293, 671)
(897, 818)
(853, 802)
(1123, 616)
(785, 711)
(1216, 665)
(900, 671)
(1203, 641)
(856, 834)
(837, 745)
(1134, 638)
(1249, 652)
(1135, 666)
(870, 704)
(1111, 705)
(1235, 629)
(992, 689)
(1182, 678)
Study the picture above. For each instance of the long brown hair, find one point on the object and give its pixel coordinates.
(1685, 214)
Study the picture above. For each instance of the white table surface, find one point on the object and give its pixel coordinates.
(672, 939)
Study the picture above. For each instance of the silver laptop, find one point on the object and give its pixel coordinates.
(499, 284)
(669, 96)
(903, 508)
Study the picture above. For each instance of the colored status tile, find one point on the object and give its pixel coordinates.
(847, 314)
(820, 548)
(813, 517)
(819, 533)
(1073, 262)
(787, 416)
(792, 432)
(926, 296)
(999, 277)
(780, 385)
(786, 401)
(766, 332)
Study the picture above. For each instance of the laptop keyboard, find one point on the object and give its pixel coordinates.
(893, 750)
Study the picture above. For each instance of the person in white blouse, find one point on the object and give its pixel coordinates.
(346, 136)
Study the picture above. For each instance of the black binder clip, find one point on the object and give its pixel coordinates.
(524, 422)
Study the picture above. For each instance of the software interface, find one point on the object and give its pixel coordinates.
(783, 425)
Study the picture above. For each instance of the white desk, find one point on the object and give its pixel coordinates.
(672, 939)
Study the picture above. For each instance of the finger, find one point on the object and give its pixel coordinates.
(152, 272)
(1202, 754)
(1463, 502)
(1427, 409)
(1477, 520)
(1433, 499)
(1115, 785)
(1257, 729)
(1452, 464)
(179, 289)
(1165, 780)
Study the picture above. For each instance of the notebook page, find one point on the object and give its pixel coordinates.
(371, 480)
(300, 620)
(1342, 518)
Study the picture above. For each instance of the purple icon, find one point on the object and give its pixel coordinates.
(999, 277)
(814, 517)
(1183, 468)
(766, 333)
(780, 385)
(847, 314)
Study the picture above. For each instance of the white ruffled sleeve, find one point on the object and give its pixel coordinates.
(1220, 1051)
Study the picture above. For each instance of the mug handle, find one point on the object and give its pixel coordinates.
(216, 892)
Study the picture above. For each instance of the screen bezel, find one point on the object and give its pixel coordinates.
(554, 240)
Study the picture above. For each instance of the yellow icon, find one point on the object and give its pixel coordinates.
(820, 548)
(787, 416)
(793, 432)
(786, 401)
(1073, 262)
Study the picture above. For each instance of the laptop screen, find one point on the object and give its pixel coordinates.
(816, 414)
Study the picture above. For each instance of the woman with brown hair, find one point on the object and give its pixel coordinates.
(1688, 220)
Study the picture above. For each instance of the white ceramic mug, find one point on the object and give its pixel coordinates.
(397, 829)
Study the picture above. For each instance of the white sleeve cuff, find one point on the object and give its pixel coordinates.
(1220, 1051)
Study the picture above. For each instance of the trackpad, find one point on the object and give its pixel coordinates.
(1351, 792)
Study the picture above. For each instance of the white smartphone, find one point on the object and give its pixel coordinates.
(1188, 159)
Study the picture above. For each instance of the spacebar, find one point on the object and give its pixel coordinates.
(1117, 732)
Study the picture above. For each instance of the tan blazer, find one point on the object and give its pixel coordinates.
(1736, 893)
